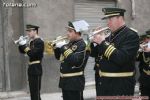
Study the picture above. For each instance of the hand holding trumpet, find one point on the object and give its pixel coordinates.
(60, 43)
(99, 34)
(144, 47)
(22, 40)
(98, 38)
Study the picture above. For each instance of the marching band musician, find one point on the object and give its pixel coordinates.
(117, 56)
(73, 57)
(144, 66)
(35, 53)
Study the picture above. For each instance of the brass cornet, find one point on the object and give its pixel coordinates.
(103, 31)
(49, 45)
(142, 46)
(17, 41)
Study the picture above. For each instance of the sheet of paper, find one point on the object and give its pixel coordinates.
(81, 25)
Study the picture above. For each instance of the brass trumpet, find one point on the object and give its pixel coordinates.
(103, 31)
(142, 46)
(17, 41)
(49, 45)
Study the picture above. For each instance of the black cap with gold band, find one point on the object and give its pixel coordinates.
(111, 12)
(145, 35)
(148, 33)
(70, 25)
(31, 27)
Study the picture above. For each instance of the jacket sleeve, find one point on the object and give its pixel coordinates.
(21, 49)
(93, 50)
(139, 56)
(38, 48)
(147, 54)
(57, 53)
(125, 53)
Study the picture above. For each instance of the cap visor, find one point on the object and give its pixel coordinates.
(148, 36)
(105, 18)
(28, 30)
(69, 27)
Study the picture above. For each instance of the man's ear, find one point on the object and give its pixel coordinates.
(36, 31)
(79, 33)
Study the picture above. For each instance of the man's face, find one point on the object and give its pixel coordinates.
(31, 33)
(147, 39)
(112, 23)
(71, 34)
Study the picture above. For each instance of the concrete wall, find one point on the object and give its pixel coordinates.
(51, 15)
(12, 23)
(1, 51)
(16, 60)
(142, 13)
(140, 19)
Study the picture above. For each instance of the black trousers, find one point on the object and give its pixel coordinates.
(116, 86)
(144, 81)
(145, 90)
(35, 86)
(72, 95)
(96, 82)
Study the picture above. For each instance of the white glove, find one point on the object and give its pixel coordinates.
(21, 38)
(148, 44)
(22, 41)
(60, 44)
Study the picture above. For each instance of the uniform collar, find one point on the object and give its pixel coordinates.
(37, 37)
(118, 30)
(75, 41)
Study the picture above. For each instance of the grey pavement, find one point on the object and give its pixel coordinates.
(89, 94)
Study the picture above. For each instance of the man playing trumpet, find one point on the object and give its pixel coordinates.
(73, 57)
(35, 53)
(117, 55)
(144, 65)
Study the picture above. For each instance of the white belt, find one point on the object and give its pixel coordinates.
(34, 62)
(71, 74)
(122, 74)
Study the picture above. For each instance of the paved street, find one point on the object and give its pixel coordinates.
(89, 94)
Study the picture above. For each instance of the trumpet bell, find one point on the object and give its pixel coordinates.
(102, 31)
(48, 48)
(49, 45)
(25, 37)
(60, 39)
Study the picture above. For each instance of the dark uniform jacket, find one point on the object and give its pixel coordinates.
(75, 62)
(118, 56)
(95, 53)
(35, 53)
(144, 67)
